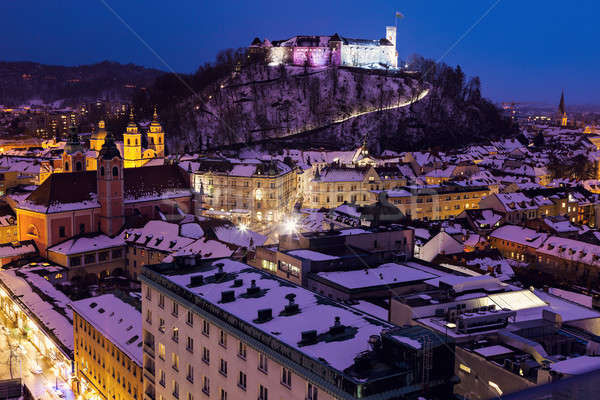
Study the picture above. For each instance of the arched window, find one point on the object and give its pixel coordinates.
(78, 166)
(151, 140)
(128, 142)
(66, 166)
(159, 139)
(115, 171)
(32, 231)
(101, 171)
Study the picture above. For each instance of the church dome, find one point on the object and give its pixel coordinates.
(100, 133)
(109, 149)
(73, 144)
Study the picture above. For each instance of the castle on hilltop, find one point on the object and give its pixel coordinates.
(330, 50)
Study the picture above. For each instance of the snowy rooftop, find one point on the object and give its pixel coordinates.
(312, 255)
(386, 274)
(84, 244)
(520, 235)
(27, 283)
(315, 312)
(117, 320)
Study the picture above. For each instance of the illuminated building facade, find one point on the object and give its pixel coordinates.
(250, 191)
(108, 352)
(330, 50)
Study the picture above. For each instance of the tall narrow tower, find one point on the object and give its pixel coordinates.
(390, 34)
(562, 110)
(110, 188)
(73, 157)
(156, 136)
(132, 140)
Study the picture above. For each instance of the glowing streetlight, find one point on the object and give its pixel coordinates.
(242, 227)
(290, 225)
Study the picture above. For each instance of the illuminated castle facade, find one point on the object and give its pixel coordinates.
(330, 50)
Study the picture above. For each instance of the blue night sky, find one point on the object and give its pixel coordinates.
(525, 50)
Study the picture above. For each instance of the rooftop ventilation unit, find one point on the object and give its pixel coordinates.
(264, 315)
(253, 289)
(291, 308)
(196, 280)
(238, 282)
(337, 327)
(227, 296)
(308, 337)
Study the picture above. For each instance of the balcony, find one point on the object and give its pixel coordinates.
(149, 374)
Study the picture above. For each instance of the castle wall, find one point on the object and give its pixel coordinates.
(358, 55)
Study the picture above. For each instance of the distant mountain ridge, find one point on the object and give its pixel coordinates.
(22, 81)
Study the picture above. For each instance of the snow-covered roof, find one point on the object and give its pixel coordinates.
(117, 320)
(386, 274)
(491, 351)
(311, 255)
(83, 244)
(520, 235)
(316, 312)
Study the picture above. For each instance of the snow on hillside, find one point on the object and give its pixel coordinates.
(263, 102)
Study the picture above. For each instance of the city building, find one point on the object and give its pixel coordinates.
(246, 191)
(336, 50)
(108, 347)
(433, 202)
(100, 201)
(229, 331)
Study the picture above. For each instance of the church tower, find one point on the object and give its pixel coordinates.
(98, 137)
(132, 140)
(73, 157)
(562, 111)
(156, 136)
(110, 188)
(390, 34)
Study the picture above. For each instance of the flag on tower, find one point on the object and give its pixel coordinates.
(399, 14)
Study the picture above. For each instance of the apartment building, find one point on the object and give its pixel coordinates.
(435, 202)
(108, 348)
(333, 185)
(248, 190)
(228, 331)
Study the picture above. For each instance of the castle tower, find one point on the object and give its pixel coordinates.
(110, 188)
(156, 136)
(97, 139)
(390, 34)
(132, 140)
(73, 157)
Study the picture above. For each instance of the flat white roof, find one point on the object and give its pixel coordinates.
(491, 351)
(386, 274)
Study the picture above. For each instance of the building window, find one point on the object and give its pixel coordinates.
(161, 325)
(286, 377)
(101, 171)
(206, 355)
(205, 328)
(32, 231)
(206, 385)
(223, 395)
(175, 309)
(75, 261)
(175, 361)
(190, 345)
(223, 338)
(115, 171)
(90, 258)
(103, 256)
(61, 232)
(117, 253)
(81, 228)
(190, 373)
(263, 393)
(262, 362)
(175, 335)
(223, 367)
(242, 350)
(242, 381)
(312, 394)
(161, 301)
(175, 389)
(161, 379)
(190, 318)
(161, 351)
